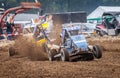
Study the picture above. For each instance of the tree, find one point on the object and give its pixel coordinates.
(64, 5)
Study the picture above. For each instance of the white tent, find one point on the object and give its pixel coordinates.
(1, 9)
(97, 13)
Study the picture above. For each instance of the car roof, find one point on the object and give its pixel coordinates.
(77, 26)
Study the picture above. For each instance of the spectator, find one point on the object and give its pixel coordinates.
(9, 25)
(1, 34)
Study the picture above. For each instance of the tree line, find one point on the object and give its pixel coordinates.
(51, 6)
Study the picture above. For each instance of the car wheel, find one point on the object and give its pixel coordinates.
(100, 33)
(64, 55)
(51, 54)
(89, 57)
(97, 51)
(11, 51)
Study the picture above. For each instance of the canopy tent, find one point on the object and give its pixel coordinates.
(95, 16)
(97, 13)
(1, 11)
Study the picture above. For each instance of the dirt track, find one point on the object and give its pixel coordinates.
(22, 67)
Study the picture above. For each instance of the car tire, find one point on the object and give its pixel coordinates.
(100, 33)
(11, 51)
(51, 54)
(64, 55)
(89, 57)
(97, 51)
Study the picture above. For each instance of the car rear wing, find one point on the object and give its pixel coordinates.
(67, 25)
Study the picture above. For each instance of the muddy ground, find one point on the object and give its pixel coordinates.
(23, 67)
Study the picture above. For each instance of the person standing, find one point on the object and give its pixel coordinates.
(1, 33)
(9, 25)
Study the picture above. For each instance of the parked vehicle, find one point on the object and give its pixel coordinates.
(110, 24)
(88, 29)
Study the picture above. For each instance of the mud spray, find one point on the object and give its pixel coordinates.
(24, 46)
(30, 49)
(55, 34)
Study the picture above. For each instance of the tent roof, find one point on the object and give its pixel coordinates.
(97, 13)
(2, 9)
(25, 17)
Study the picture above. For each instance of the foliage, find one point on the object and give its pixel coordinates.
(64, 5)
